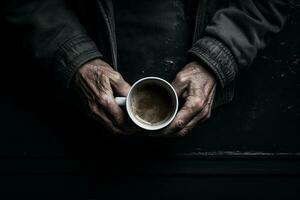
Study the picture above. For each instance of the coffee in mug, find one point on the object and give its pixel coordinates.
(151, 103)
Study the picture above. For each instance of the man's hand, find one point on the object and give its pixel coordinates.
(97, 83)
(197, 86)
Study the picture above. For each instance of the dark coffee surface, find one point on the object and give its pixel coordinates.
(152, 104)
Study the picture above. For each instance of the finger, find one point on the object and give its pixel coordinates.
(115, 113)
(98, 86)
(192, 106)
(201, 117)
(211, 100)
(179, 85)
(198, 119)
(101, 117)
(106, 101)
(84, 90)
(120, 86)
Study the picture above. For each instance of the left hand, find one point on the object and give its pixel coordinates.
(197, 86)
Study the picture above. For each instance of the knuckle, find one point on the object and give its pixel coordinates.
(195, 103)
(180, 124)
(180, 77)
(103, 99)
(118, 77)
(199, 103)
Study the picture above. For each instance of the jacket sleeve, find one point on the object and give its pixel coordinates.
(235, 34)
(52, 34)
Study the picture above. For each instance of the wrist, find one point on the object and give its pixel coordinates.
(205, 69)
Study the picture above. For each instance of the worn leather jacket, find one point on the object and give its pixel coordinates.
(63, 35)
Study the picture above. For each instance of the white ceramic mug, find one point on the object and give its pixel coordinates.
(127, 101)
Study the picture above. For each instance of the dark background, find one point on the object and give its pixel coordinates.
(250, 148)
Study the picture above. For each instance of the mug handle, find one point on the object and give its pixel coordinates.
(121, 101)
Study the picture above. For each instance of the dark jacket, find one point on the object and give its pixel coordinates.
(63, 35)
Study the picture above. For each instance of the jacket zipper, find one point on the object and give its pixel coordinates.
(110, 35)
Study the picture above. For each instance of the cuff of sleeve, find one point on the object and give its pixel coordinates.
(73, 54)
(217, 57)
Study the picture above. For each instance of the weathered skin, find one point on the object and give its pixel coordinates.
(197, 86)
(97, 83)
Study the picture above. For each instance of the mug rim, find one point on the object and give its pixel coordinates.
(140, 124)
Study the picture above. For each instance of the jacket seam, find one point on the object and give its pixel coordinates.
(213, 64)
(226, 50)
(72, 40)
(217, 57)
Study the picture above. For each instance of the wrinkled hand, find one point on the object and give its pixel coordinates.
(97, 83)
(197, 86)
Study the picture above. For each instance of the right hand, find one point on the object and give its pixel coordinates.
(97, 83)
